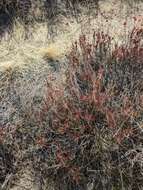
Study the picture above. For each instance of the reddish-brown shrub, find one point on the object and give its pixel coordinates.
(98, 112)
(88, 130)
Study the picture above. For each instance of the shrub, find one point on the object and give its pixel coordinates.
(91, 131)
(29, 12)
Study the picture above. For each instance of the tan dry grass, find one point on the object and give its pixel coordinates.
(112, 15)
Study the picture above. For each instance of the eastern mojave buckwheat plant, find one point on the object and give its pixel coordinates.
(79, 126)
(88, 134)
(94, 131)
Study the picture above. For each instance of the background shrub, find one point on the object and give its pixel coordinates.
(28, 12)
